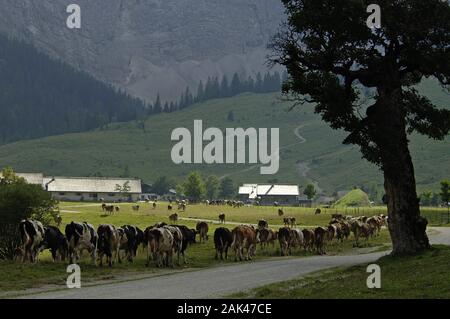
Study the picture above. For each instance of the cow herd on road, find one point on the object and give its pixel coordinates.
(163, 242)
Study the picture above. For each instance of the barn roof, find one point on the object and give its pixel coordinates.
(32, 178)
(255, 190)
(274, 190)
(91, 184)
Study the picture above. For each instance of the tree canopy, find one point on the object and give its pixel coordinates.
(332, 57)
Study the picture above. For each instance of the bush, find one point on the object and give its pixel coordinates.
(19, 200)
(9, 240)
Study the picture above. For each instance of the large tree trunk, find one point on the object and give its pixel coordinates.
(407, 228)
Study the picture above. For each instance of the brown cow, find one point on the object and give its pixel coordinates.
(284, 238)
(331, 233)
(202, 229)
(360, 229)
(320, 234)
(308, 239)
(244, 237)
(173, 218)
(266, 237)
(222, 218)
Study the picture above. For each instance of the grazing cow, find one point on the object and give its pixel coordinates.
(308, 239)
(320, 234)
(318, 211)
(81, 236)
(135, 208)
(263, 224)
(108, 243)
(280, 212)
(188, 238)
(173, 218)
(222, 218)
(222, 241)
(160, 246)
(177, 240)
(109, 209)
(202, 229)
(55, 240)
(32, 233)
(284, 238)
(244, 237)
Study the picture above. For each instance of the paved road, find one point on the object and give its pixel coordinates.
(219, 281)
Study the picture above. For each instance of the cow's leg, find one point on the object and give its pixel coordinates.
(217, 254)
(53, 251)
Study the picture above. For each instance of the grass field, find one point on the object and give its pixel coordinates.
(18, 276)
(419, 277)
(145, 152)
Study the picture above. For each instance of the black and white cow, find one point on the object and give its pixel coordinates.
(81, 236)
(108, 243)
(188, 238)
(135, 237)
(177, 240)
(55, 240)
(32, 234)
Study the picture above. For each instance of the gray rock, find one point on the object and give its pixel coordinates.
(150, 46)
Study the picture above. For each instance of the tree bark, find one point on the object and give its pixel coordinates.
(407, 228)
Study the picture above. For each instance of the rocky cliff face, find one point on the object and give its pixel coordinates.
(150, 46)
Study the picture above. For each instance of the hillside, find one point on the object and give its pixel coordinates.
(151, 46)
(40, 96)
(310, 150)
(354, 198)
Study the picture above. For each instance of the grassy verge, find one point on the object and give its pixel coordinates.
(422, 276)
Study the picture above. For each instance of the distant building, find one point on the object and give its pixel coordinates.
(267, 194)
(93, 188)
(86, 188)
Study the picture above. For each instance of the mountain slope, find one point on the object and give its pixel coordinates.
(41, 97)
(310, 150)
(150, 46)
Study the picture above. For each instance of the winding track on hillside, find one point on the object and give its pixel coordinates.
(302, 141)
(217, 282)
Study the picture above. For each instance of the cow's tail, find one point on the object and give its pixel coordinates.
(234, 242)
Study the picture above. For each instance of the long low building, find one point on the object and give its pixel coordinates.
(267, 194)
(87, 188)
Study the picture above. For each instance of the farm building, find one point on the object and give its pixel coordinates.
(267, 194)
(87, 188)
(93, 188)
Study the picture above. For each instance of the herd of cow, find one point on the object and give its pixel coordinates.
(243, 239)
(163, 241)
